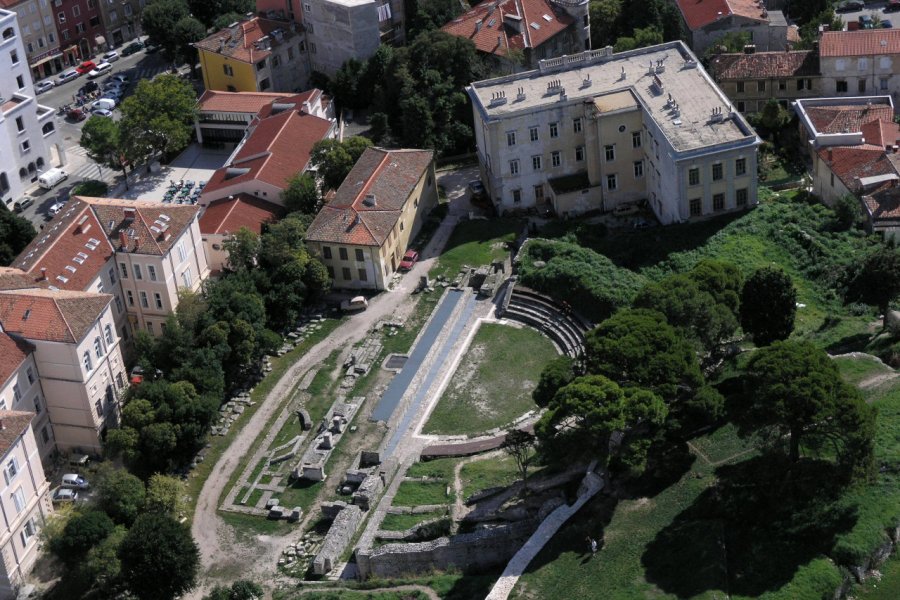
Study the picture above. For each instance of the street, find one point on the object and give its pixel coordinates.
(875, 9)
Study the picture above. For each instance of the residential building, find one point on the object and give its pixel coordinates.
(77, 358)
(141, 254)
(706, 21)
(287, 9)
(37, 26)
(276, 146)
(595, 130)
(223, 117)
(362, 233)
(223, 218)
(751, 80)
(24, 500)
(855, 150)
(859, 63)
(516, 34)
(121, 19)
(29, 140)
(338, 30)
(256, 55)
(80, 24)
(20, 390)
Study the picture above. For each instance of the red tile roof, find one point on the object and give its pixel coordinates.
(148, 227)
(12, 424)
(388, 176)
(860, 43)
(229, 215)
(277, 148)
(847, 118)
(15, 279)
(491, 28)
(700, 13)
(246, 102)
(240, 41)
(50, 315)
(764, 65)
(884, 204)
(881, 133)
(12, 354)
(850, 163)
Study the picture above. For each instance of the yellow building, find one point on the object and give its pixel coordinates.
(363, 232)
(256, 55)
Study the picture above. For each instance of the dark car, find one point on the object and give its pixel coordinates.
(90, 86)
(23, 204)
(892, 6)
(850, 6)
(135, 46)
(151, 48)
(409, 259)
(76, 114)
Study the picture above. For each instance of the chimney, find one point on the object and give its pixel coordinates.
(478, 24)
(829, 155)
(2, 425)
(123, 239)
(44, 273)
(129, 213)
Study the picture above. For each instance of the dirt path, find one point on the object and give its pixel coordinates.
(460, 510)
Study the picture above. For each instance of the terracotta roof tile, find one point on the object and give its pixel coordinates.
(150, 227)
(884, 204)
(860, 43)
(240, 42)
(246, 102)
(388, 175)
(244, 210)
(851, 162)
(14, 423)
(12, 278)
(50, 315)
(764, 65)
(847, 118)
(13, 353)
(700, 13)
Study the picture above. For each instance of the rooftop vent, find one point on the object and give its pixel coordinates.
(129, 213)
(498, 98)
(586, 82)
(280, 107)
(166, 218)
(93, 241)
(232, 172)
(520, 94)
(535, 25)
(79, 260)
(82, 255)
(90, 246)
(71, 269)
(547, 17)
(62, 279)
(369, 200)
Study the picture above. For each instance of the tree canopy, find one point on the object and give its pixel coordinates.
(159, 558)
(15, 233)
(877, 280)
(333, 159)
(768, 306)
(101, 138)
(158, 118)
(556, 374)
(82, 532)
(302, 194)
(120, 494)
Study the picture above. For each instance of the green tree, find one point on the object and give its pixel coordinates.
(795, 392)
(847, 211)
(519, 444)
(15, 233)
(165, 495)
(877, 280)
(158, 20)
(98, 574)
(208, 10)
(188, 30)
(774, 117)
(768, 306)
(159, 558)
(427, 15)
(158, 117)
(641, 38)
(239, 590)
(120, 495)
(721, 279)
(226, 19)
(101, 138)
(334, 159)
(242, 248)
(733, 41)
(83, 531)
(605, 22)
(556, 374)
(301, 194)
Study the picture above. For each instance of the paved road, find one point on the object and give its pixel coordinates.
(872, 9)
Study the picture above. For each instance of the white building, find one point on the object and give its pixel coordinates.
(595, 130)
(29, 141)
(20, 389)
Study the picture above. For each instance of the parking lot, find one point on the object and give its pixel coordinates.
(872, 9)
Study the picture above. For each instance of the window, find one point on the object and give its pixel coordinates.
(782, 85)
(635, 139)
(554, 130)
(312, 47)
(182, 254)
(510, 138)
(740, 87)
(717, 171)
(124, 269)
(760, 86)
(138, 273)
(638, 169)
(130, 295)
(363, 276)
(61, 17)
(741, 107)
(38, 407)
(740, 166)
(359, 255)
(345, 273)
(86, 361)
(276, 60)
(226, 68)
(326, 252)
(330, 270)
(555, 158)
(841, 86)
(143, 296)
(696, 207)
(76, 11)
(187, 279)
(79, 27)
(576, 125)
(158, 300)
(29, 373)
(517, 196)
(11, 469)
(579, 153)
(265, 84)
(612, 183)
(533, 134)
(151, 272)
(342, 252)
(18, 498)
(536, 163)
(45, 434)
(610, 152)
(862, 64)
(718, 201)
(883, 84)
(107, 331)
(740, 197)
(20, 81)
(694, 176)
(118, 305)
(539, 192)
(17, 393)
(98, 347)
(514, 167)
(861, 85)
(15, 57)
(98, 405)
(26, 146)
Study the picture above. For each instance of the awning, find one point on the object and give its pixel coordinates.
(99, 40)
(45, 59)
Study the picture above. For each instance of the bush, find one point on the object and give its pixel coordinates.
(91, 187)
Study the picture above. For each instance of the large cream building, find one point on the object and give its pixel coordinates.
(21, 390)
(594, 130)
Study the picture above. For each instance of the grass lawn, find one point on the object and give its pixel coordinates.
(856, 370)
(404, 522)
(441, 468)
(419, 493)
(341, 594)
(885, 588)
(492, 385)
(476, 243)
(491, 472)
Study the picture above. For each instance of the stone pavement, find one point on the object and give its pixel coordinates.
(591, 484)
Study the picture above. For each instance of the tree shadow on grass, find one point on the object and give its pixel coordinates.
(850, 343)
(750, 531)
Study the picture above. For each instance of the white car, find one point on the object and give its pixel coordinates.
(75, 482)
(106, 103)
(99, 70)
(68, 76)
(110, 57)
(43, 86)
(65, 495)
(102, 112)
(54, 210)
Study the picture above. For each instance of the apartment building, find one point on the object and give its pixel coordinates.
(256, 55)
(751, 80)
(29, 140)
(592, 131)
(37, 25)
(77, 357)
(141, 254)
(121, 19)
(362, 233)
(858, 63)
(706, 21)
(516, 34)
(80, 25)
(24, 500)
(20, 390)
(221, 219)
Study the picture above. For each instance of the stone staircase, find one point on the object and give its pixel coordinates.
(565, 328)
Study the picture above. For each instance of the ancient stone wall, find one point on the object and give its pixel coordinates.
(336, 540)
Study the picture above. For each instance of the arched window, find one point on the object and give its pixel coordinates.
(23, 173)
(48, 127)
(8, 33)
(98, 347)
(40, 162)
(86, 359)
(31, 167)
(4, 183)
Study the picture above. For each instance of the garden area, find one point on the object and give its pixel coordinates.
(493, 383)
(477, 243)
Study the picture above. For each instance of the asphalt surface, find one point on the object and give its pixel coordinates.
(872, 9)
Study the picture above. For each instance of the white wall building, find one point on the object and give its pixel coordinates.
(20, 389)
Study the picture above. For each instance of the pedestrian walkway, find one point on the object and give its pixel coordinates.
(590, 485)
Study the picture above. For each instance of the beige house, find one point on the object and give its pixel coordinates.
(595, 130)
(24, 499)
(223, 218)
(362, 233)
(704, 22)
(860, 63)
(20, 390)
(751, 80)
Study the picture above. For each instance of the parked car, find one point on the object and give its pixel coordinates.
(866, 22)
(75, 481)
(409, 259)
(79, 460)
(892, 6)
(68, 75)
(114, 92)
(101, 112)
(477, 188)
(111, 56)
(886, 23)
(99, 70)
(118, 79)
(88, 87)
(64, 495)
(22, 204)
(107, 103)
(355, 304)
(54, 210)
(135, 46)
(76, 114)
(42, 86)
(49, 178)
(151, 48)
(850, 6)
(85, 67)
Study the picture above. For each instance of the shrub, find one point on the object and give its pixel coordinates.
(91, 187)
